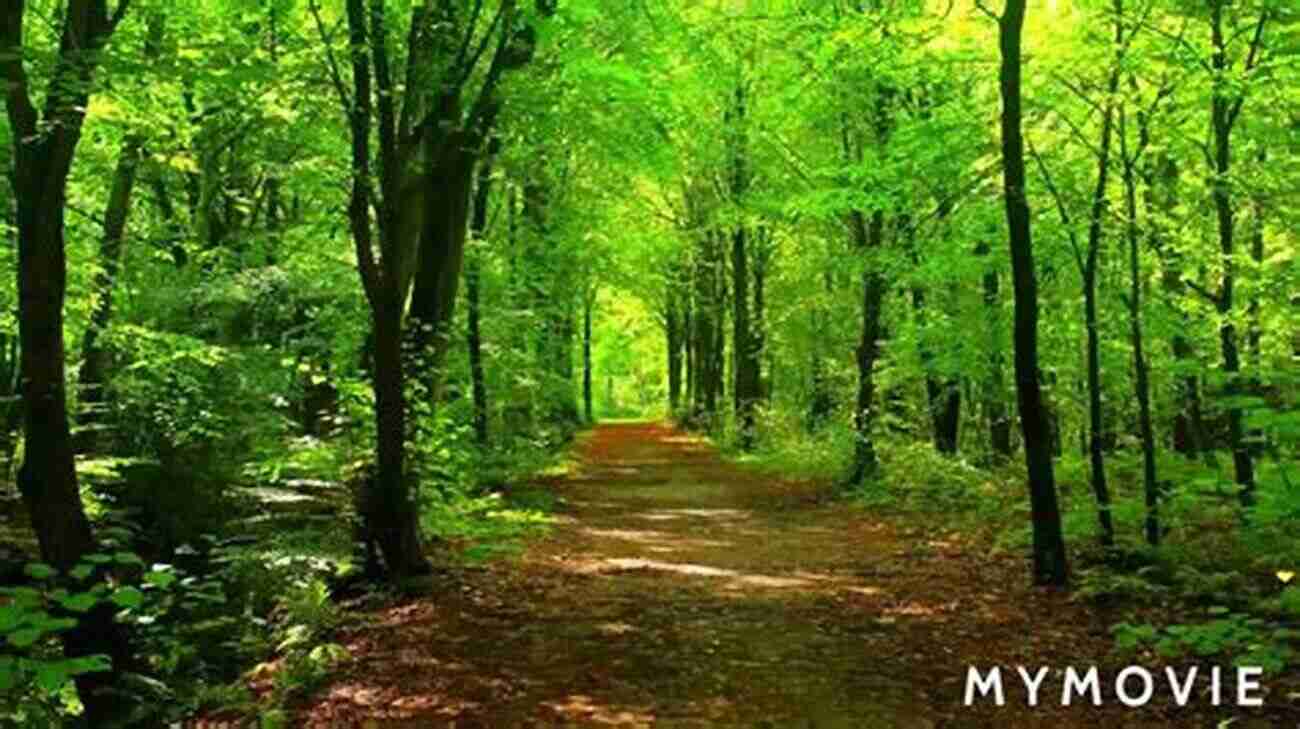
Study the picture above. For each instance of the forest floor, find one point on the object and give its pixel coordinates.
(677, 590)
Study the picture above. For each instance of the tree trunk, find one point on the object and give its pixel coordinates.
(474, 333)
(758, 327)
(45, 145)
(473, 281)
(869, 237)
(1141, 377)
(705, 402)
(1050, 565)
(478, 379)
(673, 332)
(745, 382)
(688, 355)
(1096, 458)
(390, 514)
(995, 407)
(943, 396)
(1223, 116)
(94, 365)
(587, 301)
(441, 260)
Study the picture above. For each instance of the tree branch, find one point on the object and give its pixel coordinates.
(1060, 206)
(335, 76)
(1212, 297)
(118, 15)
(1255, 42)
(388, 159)
(18, 101)
(362, 189)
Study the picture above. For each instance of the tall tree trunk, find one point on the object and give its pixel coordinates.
(745, 382)
(1050, 564)
(942, 395)
(474, 337)
(1224, 111)
(995, 408)
(869, 237)
(44, 146)
(1096, 425)
(1095, 450)
(688, 356)
(473, 281)
(588, 300)
(821, 402)
(747, 365)
(706, 394)
(1141, 377)
(94, 363)
(673, 332)
(758, 327)
(441, 261)
(385, 504)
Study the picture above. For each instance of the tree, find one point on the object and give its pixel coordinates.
(1050, 565)
(44, 147)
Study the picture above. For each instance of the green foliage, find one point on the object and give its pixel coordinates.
(1249, 641)
(34, 676)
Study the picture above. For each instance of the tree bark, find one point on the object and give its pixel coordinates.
(995, 408)
(1224, 111)
(441, 260)
(705, 335)
(474, 334)
(45, 144)
(588, 300)
(387, 510)
(869, 237)
(673, 334)
(1050, 565)
(745, 376)
(1141, 376)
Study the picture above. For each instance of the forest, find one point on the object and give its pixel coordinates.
(678, 363)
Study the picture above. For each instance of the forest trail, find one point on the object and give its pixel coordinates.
(681, 591)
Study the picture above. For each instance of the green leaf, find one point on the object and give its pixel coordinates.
(159, 578)
(25, 637)
(80, 603)
(40, 571)
(127, 597)
(128, 558)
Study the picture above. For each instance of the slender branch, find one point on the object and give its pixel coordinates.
(1181, 40)
(1255, 43)
(1060, 206)
(388, 160)
(1212, 297)
(414, 42)
(22, 113)
(980, 6)
(335, 76)
(118, 15)
(1079, 92)
(362, 189)
(468, 64)
(469, 36)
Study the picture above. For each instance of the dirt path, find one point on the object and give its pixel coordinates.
(679, 591)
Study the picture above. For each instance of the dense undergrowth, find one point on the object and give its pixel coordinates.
(227, 547)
